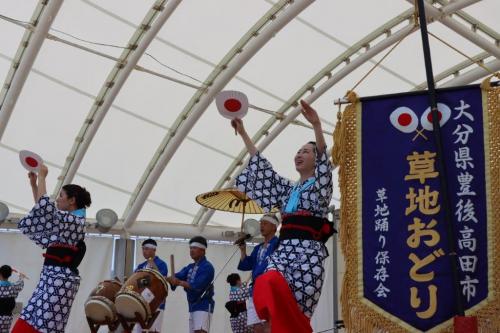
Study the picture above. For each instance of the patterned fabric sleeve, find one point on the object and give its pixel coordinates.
(45, 225)
(245, 291)
(13, 290)
(240, 294)
(41, 224)
(18, 286)
(262, 184)
(324, 183)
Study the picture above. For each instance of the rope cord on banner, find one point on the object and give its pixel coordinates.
(479, 63)
(379, 62)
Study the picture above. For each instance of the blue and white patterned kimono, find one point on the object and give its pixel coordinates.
(300, 261)
(239, 323)
(8, 295)
(49, 307)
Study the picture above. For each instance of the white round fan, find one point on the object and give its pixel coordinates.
(30, 160)
(232, 104)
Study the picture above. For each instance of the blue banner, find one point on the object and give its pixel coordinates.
(404, 245)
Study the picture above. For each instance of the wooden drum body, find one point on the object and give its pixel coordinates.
(100, 307)
(141, 294)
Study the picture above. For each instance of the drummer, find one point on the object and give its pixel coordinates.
(152, 262)
(197, 280)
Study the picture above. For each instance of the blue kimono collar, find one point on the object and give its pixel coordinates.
(82, 212)
(293, 200)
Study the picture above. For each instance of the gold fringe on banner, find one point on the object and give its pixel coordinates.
(359, 315)
(489, 315)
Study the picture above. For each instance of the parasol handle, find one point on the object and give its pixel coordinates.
(243, 215)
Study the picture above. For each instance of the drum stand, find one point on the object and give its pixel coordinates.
(128, 324)
(94, 326)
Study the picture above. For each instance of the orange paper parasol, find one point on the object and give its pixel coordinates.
(229, 200)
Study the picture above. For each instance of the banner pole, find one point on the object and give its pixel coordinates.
(448, 217)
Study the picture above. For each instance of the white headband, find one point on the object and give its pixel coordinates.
(149, 246)
(270, 219)
(196, 244)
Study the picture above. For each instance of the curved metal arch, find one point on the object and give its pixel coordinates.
(455, 70)
(473, 74)
(205, 214)
(345, 57)
(31, 43)
(101, 182)
(475, 24)
(138, 43)
(275, 19)
(101, 54)
(443, 17)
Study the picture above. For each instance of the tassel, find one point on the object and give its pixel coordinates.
(337, 139)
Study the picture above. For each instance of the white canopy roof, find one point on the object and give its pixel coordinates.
(118, 95)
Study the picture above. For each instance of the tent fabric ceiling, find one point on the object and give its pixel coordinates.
(316, 50)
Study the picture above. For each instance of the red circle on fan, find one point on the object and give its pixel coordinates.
(404, 119)
(232, 105)
(429, 116)
(30, 160)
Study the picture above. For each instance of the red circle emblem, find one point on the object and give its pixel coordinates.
(31, 162)
(232, 105)
(429, 116)
(404, 119)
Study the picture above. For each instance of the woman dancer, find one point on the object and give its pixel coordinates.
(287, 294)
(60, 229)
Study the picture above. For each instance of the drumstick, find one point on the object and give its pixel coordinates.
(172, 268)
(20, 273)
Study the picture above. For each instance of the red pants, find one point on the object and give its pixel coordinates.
(23, 327)
(275, 303)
